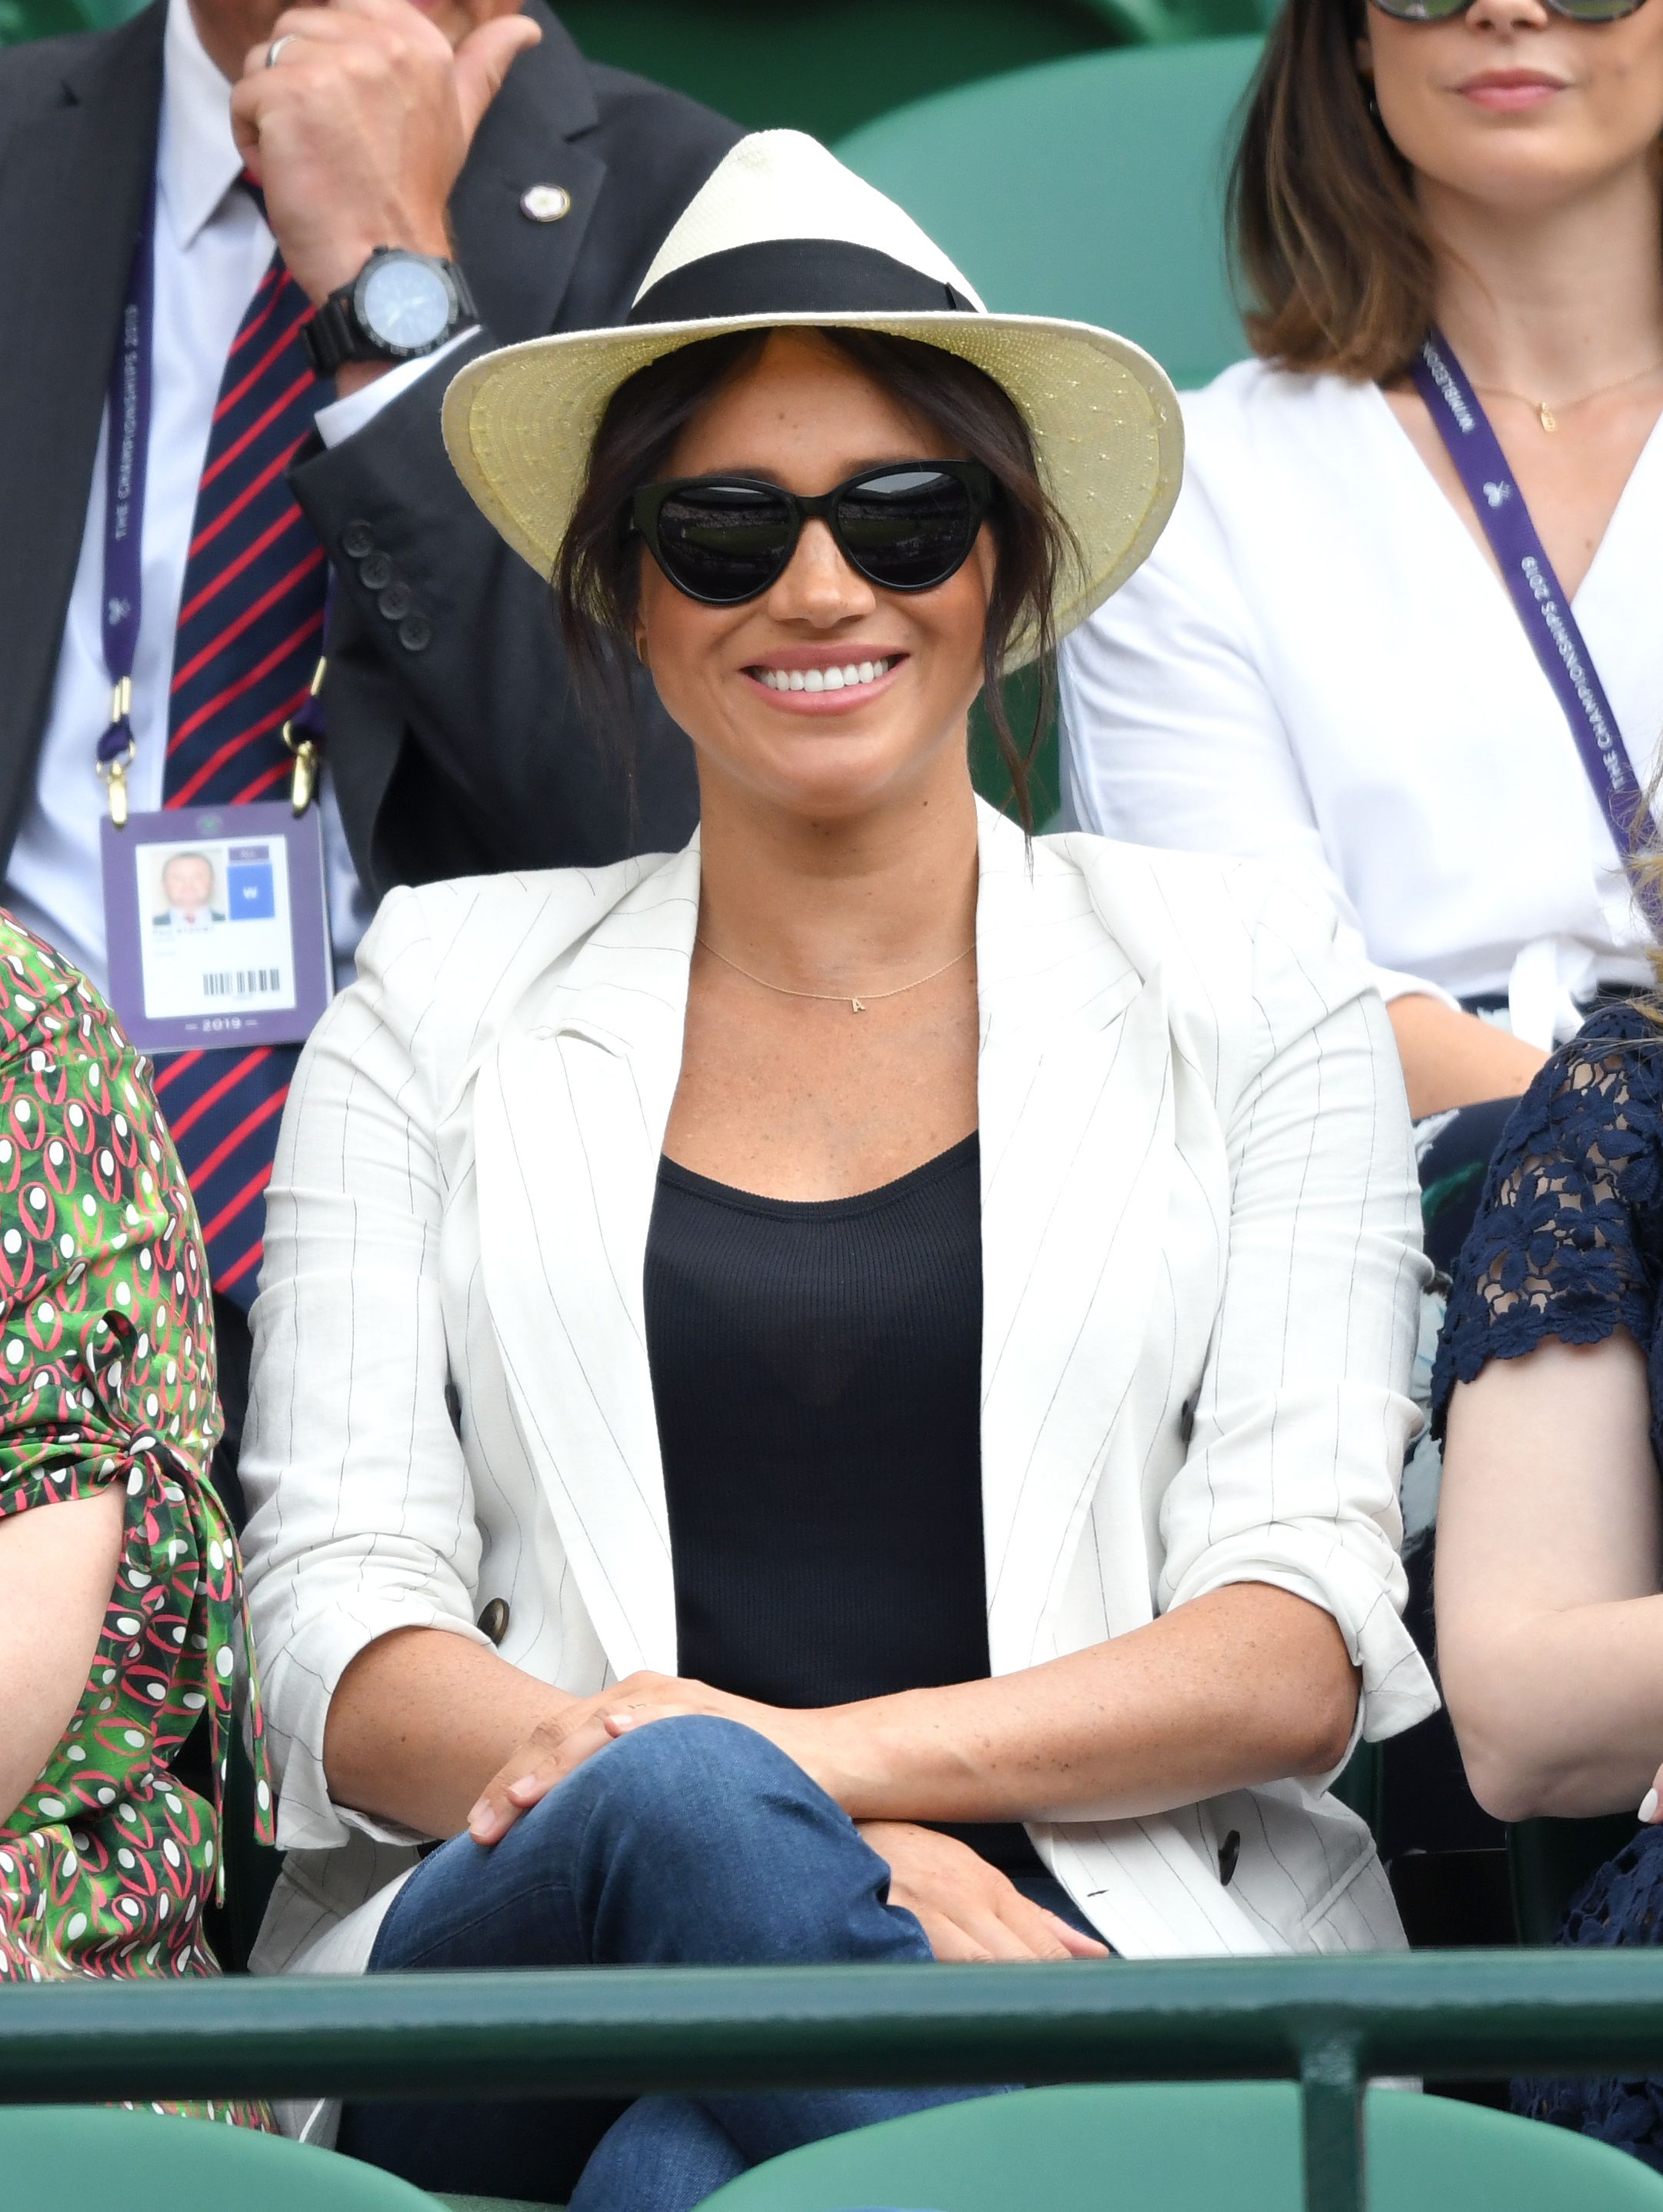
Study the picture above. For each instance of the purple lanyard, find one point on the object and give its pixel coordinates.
(123, 506)
(1542, 605)
(124, 533)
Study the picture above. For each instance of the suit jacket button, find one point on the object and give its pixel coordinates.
(396, 602)
(357, 539)
(375, 571)
(416, 633)
(1229, 1852)
(493, 1621)
(545, 202)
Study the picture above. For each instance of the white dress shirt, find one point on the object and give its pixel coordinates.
(212, 248)
(1317, 667)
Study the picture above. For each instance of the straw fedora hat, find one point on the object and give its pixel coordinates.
(781, 235)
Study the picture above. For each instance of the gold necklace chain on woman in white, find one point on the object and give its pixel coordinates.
(1549, 414)
(856, 1005)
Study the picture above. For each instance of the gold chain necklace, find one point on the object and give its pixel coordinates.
(856, 1005)
(1549, 414)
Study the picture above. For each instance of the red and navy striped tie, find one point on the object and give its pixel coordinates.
(250, 630)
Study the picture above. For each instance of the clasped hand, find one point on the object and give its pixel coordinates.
(558, 1746)
(967, 1908)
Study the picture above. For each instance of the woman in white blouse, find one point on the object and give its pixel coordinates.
(865, 1323)
(1320, 666)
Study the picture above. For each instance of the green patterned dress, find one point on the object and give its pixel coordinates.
(107, 1375)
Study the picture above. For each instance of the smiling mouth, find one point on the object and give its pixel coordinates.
(853, 676)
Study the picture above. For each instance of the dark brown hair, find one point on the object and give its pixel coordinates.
(1329, 243)
(598, 575)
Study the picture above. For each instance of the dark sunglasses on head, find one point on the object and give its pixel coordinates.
(907, 526)
(1444, 11)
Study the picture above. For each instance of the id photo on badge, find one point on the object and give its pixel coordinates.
(224, 937)
(218, 934)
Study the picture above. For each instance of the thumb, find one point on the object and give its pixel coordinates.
(484, 58)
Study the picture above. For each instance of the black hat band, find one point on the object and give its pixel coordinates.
(795, 277)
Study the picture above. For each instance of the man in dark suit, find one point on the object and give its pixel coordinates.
(297, 476)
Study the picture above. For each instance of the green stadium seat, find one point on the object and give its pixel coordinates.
(491, 2204)
(147, 2162)
(1361, 1784)
(1215, 2147)
(1091, 187)
(1549, 1861)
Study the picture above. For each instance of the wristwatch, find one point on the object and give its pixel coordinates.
(398, 306)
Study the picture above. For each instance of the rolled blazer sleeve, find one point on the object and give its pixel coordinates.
(1303, 1415)
(363, 1514)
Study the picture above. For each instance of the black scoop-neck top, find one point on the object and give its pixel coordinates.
(817, 1374)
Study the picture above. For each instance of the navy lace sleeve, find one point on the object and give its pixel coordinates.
(1568, 1236)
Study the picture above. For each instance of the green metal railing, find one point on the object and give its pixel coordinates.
(1329, 2023)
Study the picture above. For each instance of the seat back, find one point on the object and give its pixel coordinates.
(1190, 2147)
(1549, 1860)
(1091, 187)
(827, 65)
(51, 2154)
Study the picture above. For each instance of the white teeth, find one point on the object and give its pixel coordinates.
(825, 679)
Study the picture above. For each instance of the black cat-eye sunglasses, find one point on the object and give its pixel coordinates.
(905, 526)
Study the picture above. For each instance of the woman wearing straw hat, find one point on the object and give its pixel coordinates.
(852, 1375)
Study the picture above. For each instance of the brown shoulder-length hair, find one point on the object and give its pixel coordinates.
(598, 575)
(1329, 244)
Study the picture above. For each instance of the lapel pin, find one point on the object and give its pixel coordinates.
(545, 202)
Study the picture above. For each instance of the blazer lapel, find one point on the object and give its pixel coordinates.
(519, 269)
(571, 1117)
(72, 186)
(1081, 1120)
(1077, 1140)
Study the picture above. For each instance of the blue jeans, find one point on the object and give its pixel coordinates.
(692, 1842)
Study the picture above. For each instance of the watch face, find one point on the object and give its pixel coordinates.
(405, 303)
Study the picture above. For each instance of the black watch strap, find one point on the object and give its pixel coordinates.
(335, 335)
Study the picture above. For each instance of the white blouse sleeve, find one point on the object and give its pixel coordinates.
(362, 1517)
(1171, 732)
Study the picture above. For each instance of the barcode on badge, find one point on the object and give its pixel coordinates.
(241, 982)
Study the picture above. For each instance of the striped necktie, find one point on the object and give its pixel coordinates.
(250, 631)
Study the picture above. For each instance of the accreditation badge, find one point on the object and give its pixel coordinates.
(217, 927)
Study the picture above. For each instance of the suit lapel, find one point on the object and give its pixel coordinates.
(72, 185)
(1076, 1140)
(519, 269)
(571, 1118)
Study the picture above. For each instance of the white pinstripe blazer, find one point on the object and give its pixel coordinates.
(1201, 1268)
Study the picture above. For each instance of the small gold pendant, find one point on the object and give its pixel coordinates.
(857, 1005)
(1550, 421)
